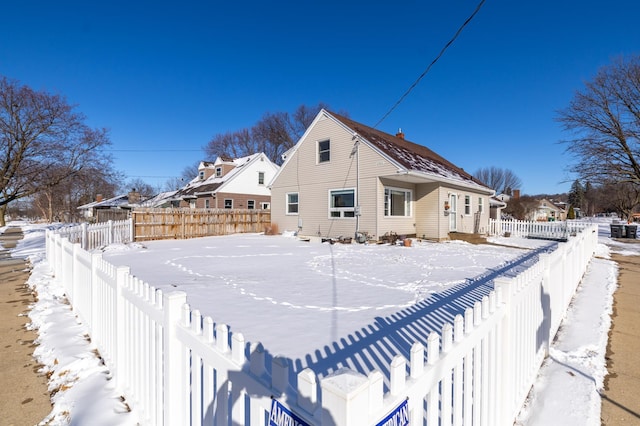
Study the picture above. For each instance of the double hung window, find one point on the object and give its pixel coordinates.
(324, 151)
(292, 203)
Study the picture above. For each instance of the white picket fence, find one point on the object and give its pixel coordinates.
(557, 230)
(91, 236)
(176, 367)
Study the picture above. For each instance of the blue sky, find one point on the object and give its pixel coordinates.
(165, 77)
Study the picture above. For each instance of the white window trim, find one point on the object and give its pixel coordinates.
(467, 212)
(386, 212)
(254, 204)
(225, 203)
(286, 204)
(263, 178)
(265, 205)
(481, 204)
(342, 210)
(219, 171)
(318, 151)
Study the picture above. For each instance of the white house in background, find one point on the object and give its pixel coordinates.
(346, 179)
(547, 211)
(227, 183)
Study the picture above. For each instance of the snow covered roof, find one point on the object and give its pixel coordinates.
(409, 155)
(213, 183)
(117, 201)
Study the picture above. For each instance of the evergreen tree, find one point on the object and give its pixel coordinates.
(576, 194)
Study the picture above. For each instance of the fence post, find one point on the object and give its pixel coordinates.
(83, 238)
(132, 230)
(110, 236)
(174, 362)
(506, 373)
(122, 272)
(345, 398)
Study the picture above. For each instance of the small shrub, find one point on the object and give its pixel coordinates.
(271, 229)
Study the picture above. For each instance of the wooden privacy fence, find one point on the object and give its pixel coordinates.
(176, 367)
(163, 224)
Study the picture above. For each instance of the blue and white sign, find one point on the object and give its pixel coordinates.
(398, 417)
(282, 416)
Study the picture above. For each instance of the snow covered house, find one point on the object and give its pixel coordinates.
(227, 183)
(114, 208)
(345, 179)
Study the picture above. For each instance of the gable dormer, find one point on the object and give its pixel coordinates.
(205, 170)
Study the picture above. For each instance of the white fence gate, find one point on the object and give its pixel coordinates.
(176, 367)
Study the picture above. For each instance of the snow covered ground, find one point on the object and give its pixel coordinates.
(308, 301)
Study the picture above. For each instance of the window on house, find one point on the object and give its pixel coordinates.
(192, 204)
(480, 205)
(218, 171)
(266, 206)
(260, 178)
(201, 174)
(251, 204)
(228, 203)
(397, 202)
(467, 204)
(207, 204)
(292, 203)
(324, 151)
(342, 203)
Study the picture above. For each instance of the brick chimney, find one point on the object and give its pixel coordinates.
(99, 198)
(134, 196)
(516, 194)
(400, 134)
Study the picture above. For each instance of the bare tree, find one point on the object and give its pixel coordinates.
(503, 181)
(43, 142)
(273, 135)
(60, 202)
(623, 196)
(605, 120)
(143, 188)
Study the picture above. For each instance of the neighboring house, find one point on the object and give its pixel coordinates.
(226, 183)
(115, 208)
(345, 179)
(495, 207)
(547, 211)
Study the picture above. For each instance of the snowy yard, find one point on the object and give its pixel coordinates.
(297, 297)
(308, 301)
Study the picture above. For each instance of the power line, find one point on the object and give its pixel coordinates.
(446, 46)
(154, 150)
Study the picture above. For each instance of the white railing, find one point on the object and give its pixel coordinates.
(176, 367)
(560, 230)
(99, 234)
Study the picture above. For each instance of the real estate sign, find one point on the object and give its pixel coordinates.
(282, 416)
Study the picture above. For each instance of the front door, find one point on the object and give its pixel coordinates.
(453, 207)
